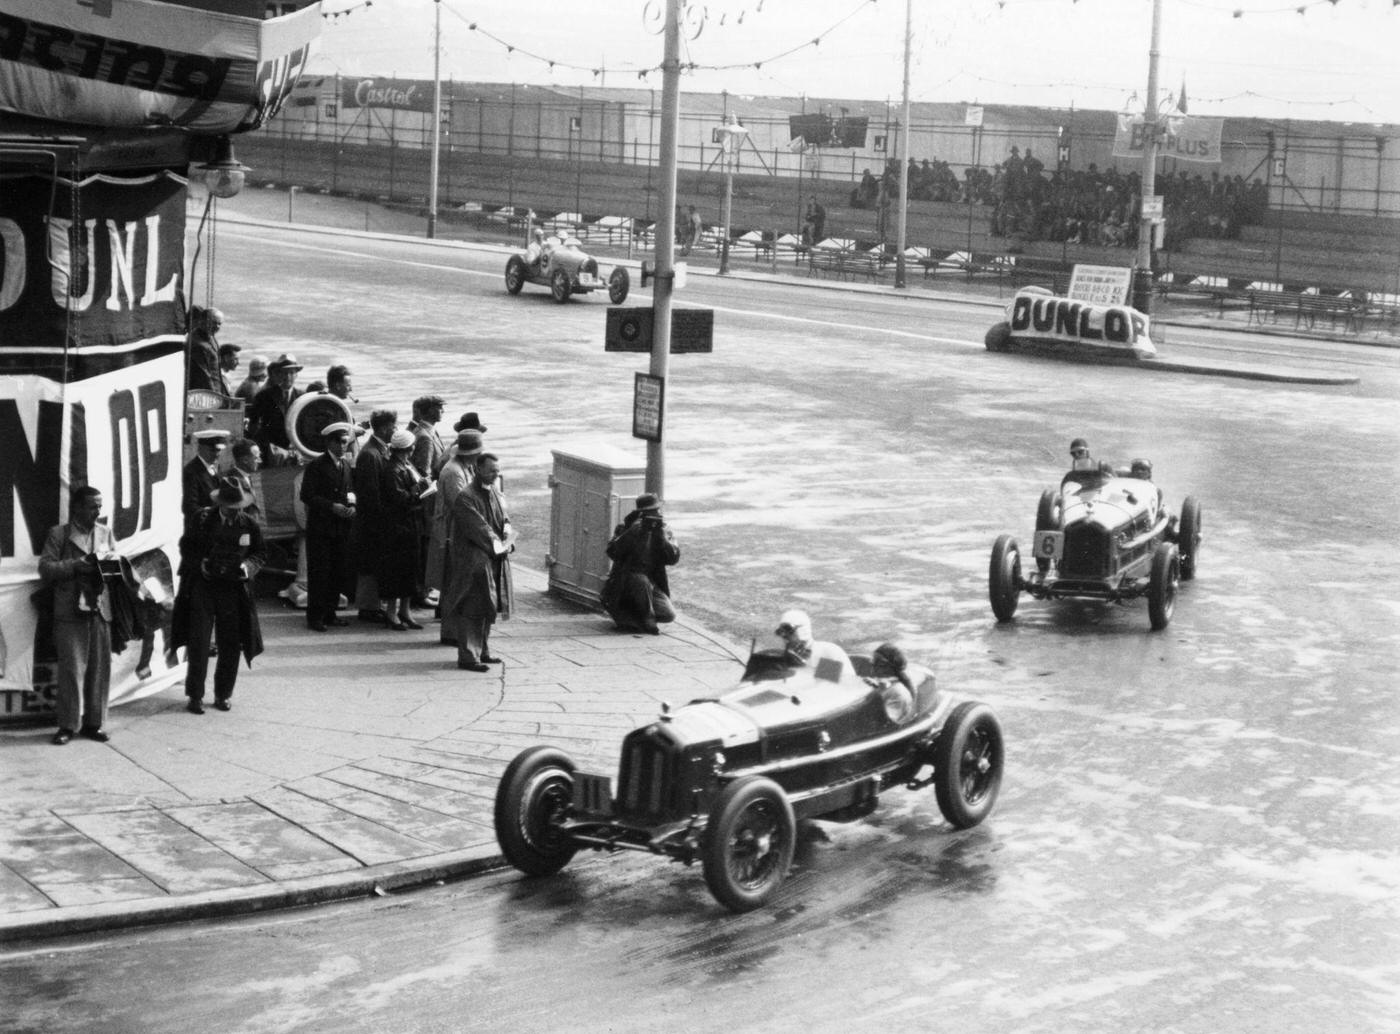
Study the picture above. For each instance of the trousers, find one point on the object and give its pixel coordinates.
(84, 672)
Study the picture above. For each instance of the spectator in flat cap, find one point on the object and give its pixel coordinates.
(228, 362)
(201, 474)
(480, 588)
(637, 594)
(267, 417)
(453, 479)
(327, 492)
(202, 350)
(253, 383)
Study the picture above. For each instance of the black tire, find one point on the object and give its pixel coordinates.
(1048, 517)
(560, 285)
(999, 337)
(1161, 587)
(515, 274)
(968, 758)
(748, 844)
(1004, 577)
(1188, 537)
(534, 795)
(619, 283)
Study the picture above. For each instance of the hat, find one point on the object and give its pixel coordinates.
(648, 501)
(341, 427)
(795, 622)
(469, 422)
(257, 366)
(230, 493)
(230, 349)
(470, 443)
(887, 655)
(1078, 443)
(285, 362)
(210, 434)
(401, 440)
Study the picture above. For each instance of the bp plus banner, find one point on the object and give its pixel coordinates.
(140, 63)
(91, 392)
(1186, 137)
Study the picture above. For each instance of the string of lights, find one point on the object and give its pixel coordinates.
(335, 16)
(1234, 12)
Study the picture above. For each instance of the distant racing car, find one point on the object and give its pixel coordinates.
(724, 779)
(1101, 536)
(563, 266)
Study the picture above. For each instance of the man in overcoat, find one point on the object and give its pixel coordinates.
(327, 488)
(82, 614)
(267, 416)
(479, 583)
(453, 479)
(202, 353)
(221, 553)
(637, 594)
(200, 475)
(428, 452)
(370, 528)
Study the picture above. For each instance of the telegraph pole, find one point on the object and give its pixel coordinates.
(665, 232)
(437, 119)
(899, 280)
(1142, 281)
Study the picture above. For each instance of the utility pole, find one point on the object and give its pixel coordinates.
(1142, 281)
(437, 119)
(899, 278)
(665, 232)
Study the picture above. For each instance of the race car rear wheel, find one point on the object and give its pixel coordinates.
(1047, 518)
(532, 800)
(1161, 587)
(1188, 537)
(1004, 577)
(748, 845)
(515, 274)
(968, 758)
(619, 283)
(559, 285)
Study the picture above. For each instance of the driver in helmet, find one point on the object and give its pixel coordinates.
(535, 250)
(1085, 471)
(829, 660)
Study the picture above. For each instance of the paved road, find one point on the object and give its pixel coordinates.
(1202, 823)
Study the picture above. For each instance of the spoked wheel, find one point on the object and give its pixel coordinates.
(1161, 587)
(619, 283)
(532, 801)
(1004, 577)
(1047, 518)
(968, 761)
(748, 844)
(1188, 537)
(559, 285)
(515, 274)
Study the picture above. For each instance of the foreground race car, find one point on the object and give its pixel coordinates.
(1101, 537)
(566, 270)
(724, 780)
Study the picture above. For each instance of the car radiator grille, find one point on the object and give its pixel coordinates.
(1088, 552)
(648, 778)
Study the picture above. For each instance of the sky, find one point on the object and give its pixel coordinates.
(1328, 60)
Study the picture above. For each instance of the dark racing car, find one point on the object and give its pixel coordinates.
(723, 780)
(1101, 536)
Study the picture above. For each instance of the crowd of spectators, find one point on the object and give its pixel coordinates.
(1074, 206)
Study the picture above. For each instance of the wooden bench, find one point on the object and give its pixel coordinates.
(846, 265)
(1269, 306)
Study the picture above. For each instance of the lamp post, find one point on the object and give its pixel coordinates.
(665, 231)
(899, 280)
(730, 135)
(1142, 280)
(437, 119)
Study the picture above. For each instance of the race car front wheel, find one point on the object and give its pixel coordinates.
(1161, 586)
(515, 274)
(1004, 577)
(968, 758)
(559, 285)
(748, 845)
(532, 800)
(619, 283)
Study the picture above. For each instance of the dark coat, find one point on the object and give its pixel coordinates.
(210, 552)
(197, 484)
(326, 481)
(479, 577)
(267, 419)
(401, 553)
(202, 362)
(370, 478)
(638, 547)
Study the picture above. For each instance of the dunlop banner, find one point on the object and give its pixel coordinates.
(1186, 137)
(91, 392)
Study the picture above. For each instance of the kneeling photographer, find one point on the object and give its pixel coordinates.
(637, 594)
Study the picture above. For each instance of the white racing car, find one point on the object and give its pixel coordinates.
(561, 264)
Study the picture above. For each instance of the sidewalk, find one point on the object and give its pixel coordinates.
(357, 761)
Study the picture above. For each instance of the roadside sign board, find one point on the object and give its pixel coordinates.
(629, 329)
(648, 405)
(1152, 207)
(1101, 285)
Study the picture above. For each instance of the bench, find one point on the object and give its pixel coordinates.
(1269, 306)
(846, 264)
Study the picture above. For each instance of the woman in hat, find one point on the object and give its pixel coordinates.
(401, 555)
(221, 553)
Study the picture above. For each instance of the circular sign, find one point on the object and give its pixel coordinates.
(309, 416)
(630, 329)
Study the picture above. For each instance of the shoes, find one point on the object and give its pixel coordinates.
(222, 705)
(194, 706)
(396, 626)
(88, 732)
(374, 617)
(338, 623)
(61, 737)
(472, 666)
(410, 623)
(143, 673)
(447, 641)
(487, 658)
(316, 626)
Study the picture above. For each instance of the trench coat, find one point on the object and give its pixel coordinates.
(479, 582)
(451, 482)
